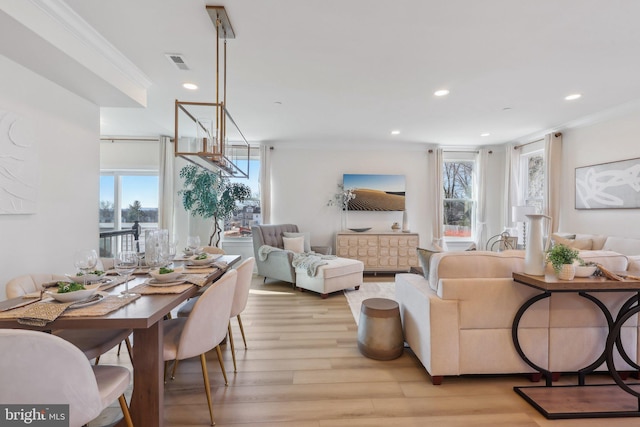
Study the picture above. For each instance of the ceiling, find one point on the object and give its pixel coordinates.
(306, 71)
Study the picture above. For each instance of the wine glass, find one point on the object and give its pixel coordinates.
(193, 243)
(85, 261)
(125, 264)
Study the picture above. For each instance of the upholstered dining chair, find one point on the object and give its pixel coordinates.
(92, 342)
(43, 368)
(213, 250)
(203, 330)
(240, 297)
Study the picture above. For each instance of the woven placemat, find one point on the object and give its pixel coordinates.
(41, 313)
(200, 270)
(106, 306)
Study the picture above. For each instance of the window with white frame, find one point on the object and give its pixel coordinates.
(248, 212)
(459, 195)
(127, 196)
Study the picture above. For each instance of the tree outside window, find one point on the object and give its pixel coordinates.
(459, 202)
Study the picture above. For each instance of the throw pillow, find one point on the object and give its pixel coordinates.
(580, 244)
(294, 244)
(306, 235)
(424, 257)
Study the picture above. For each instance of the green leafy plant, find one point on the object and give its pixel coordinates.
(211, 195)
(560, 255)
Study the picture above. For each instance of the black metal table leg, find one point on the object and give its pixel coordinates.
(516, 340)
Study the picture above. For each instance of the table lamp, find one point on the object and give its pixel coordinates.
(518, 214)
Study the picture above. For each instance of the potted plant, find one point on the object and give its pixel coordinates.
(211, 195)
(562, 259)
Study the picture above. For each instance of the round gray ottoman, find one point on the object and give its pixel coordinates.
(380, 330)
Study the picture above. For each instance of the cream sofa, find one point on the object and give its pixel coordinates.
(459, 320)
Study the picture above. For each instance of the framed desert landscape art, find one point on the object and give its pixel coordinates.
(613, 185)
(375, 192)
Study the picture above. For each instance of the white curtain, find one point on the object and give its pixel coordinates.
(513, 196)
(265, 182)
(434, 163)
(552, 164)
(481, 214)
(166, 197)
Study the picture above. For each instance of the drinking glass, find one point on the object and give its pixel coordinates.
(193, 243)
(85, 261)
(125, 263)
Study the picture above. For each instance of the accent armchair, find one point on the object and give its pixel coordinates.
(278, 263)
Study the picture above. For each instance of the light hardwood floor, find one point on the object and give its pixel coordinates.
(302, 368)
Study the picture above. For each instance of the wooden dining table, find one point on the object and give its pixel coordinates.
(144, 316)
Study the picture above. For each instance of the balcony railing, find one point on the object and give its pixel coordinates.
(119, 240)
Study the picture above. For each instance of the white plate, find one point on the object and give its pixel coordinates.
(75, 295)
(153, 282)
(92, 300)
(167, 277)
(210, 258)
(90, 278)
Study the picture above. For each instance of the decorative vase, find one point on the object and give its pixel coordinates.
(405, 222)
(534, 259)
(395, 226)
(567, 272)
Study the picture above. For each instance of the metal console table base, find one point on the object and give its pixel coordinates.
(581, 401)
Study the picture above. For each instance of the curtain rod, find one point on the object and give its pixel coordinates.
(459, 151)
(131, 139)
(516, 147)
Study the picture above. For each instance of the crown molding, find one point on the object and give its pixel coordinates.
(74, 24)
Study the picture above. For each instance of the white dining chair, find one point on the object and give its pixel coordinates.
(40, 368)
(204, 329)
(245, 274)
(240, 298)
(92, 342)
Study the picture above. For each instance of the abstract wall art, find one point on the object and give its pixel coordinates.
(18, 170)
(614, 185)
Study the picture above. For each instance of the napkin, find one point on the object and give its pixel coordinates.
(41, 313)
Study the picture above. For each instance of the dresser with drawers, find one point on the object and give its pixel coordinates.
(379, 251)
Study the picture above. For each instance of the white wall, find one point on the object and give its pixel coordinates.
(609, 140)
(304, 179)
(65, 128)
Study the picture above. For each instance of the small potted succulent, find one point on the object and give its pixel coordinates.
(562, 258)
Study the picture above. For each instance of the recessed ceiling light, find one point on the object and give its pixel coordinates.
(190, 86)
(441, 92)
(572, 96)
(395, 132)
(485, 134)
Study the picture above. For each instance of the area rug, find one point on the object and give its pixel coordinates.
(368, 290)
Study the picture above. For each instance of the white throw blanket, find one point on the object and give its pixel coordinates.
(311, 261)
(265, 250)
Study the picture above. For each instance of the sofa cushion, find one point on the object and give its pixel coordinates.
(622, 245)
(575, 243)
(634, 263)
(474, 264)
(294, 244)
(424, 257)
(306, 235)
(609, 259)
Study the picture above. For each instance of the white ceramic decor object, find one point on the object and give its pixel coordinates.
(534, 257)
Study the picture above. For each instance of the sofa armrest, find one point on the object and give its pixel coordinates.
(324, 250)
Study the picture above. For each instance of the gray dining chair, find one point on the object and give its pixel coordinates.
(43, 368)
(204, 329)
(92, 342)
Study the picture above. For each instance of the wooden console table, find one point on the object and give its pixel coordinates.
(379, 251)
(584, 401)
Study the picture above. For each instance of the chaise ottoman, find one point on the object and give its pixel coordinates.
(336, 275)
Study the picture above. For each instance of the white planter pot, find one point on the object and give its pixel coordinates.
(567, 272)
